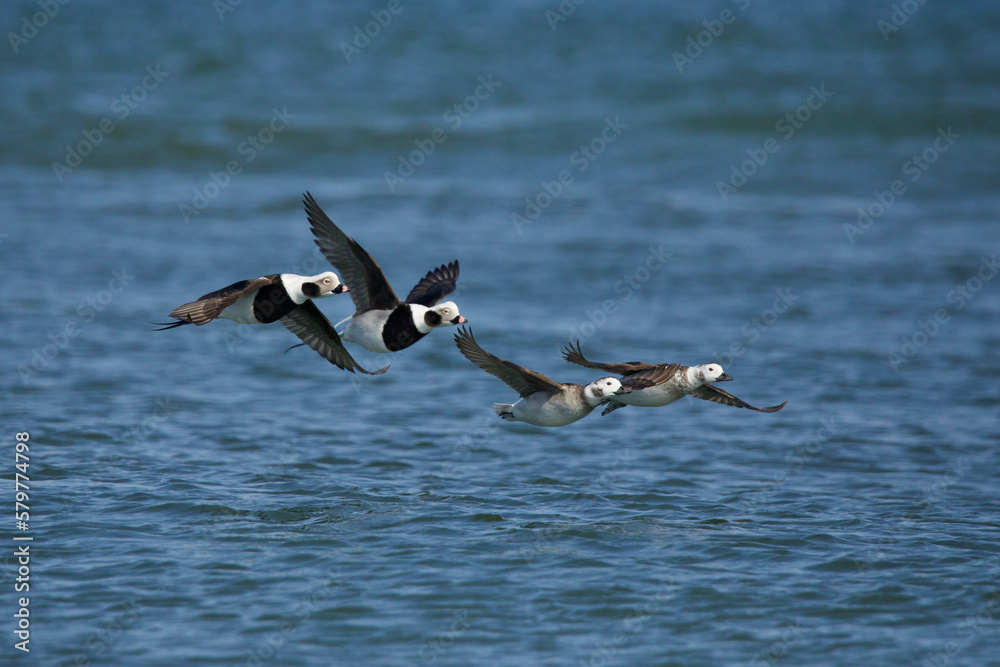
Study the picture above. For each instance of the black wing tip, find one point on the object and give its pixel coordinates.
(574, 355)
(570, 351)
(773, 408)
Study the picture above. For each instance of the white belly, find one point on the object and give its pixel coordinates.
(366, 330)
(241, 310)
(653, 397)
(543, 409)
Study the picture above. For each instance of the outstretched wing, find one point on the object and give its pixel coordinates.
(525, 382)
(712, 393)
(209, 306)
(369, 288)
(311, 325)
(436, 285)
(574, 355)
(650, 377)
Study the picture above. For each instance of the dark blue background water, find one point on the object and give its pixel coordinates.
(199, 498)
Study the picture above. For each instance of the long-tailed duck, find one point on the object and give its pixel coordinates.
(381, 322)
(286, 297)
(544, 402)
(655, 385)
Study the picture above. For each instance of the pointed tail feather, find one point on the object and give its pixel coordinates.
(169, 325)
(504, 411)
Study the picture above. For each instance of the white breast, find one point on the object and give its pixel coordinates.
(366, 330)
(545, 409)
(652, 397)
(242, 310)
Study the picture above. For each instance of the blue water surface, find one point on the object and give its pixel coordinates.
(803, 192)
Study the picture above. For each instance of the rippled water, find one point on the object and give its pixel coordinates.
(197, 497)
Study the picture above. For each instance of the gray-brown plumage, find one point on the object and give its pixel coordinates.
(655, 385)
(544, 402)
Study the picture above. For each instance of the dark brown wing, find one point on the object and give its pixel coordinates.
(575, 356)
(208, 307)
(369, 288)
(651, 377)
(712, 393)
(435, 285)
(311, 325)
(525, 382)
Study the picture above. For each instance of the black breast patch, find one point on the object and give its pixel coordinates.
(272, 303)
(400, 332)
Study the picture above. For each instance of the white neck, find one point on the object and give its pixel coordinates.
(293, 285)
(691, 375)
(418, 313)
(592, 399)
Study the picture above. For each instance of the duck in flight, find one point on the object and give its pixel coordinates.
(382, 322)
(544, 402)
(655, 385)
(286, 297)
